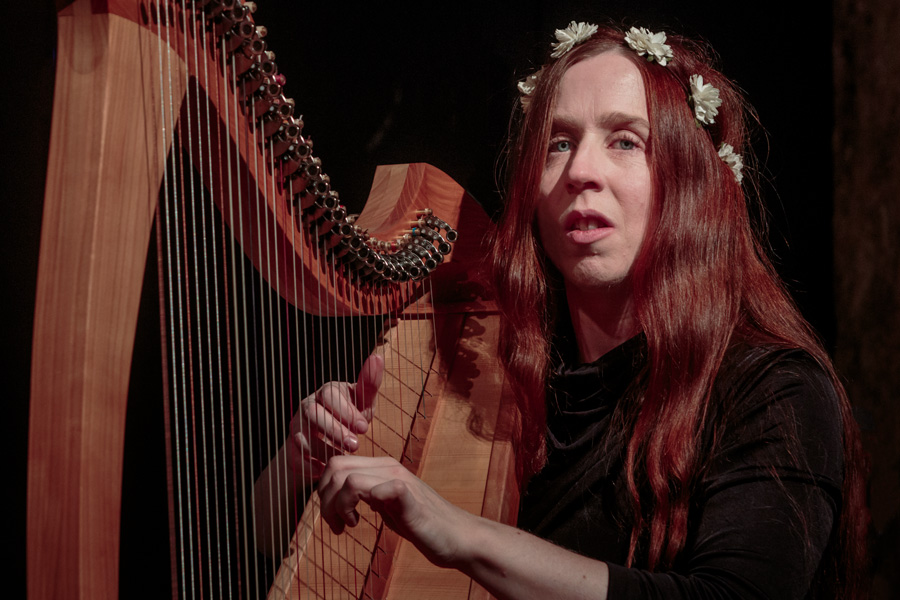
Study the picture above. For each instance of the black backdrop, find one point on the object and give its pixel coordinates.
(434, 82)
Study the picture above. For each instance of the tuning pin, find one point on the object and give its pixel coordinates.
(263, 99)
(217, 7)
(228, 18)
(435, 253)
(437, 223)
(321, 186)
(245, 55)
(236, 36)
(278, 124)
(285, 133)
(262, 70)
(296, 156)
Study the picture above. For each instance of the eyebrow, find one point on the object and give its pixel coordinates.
(611, 120)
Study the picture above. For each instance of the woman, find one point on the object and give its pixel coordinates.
(683, 432)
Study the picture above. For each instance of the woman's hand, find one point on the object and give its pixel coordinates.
(407, 504)
(326, 424)
(328, 421)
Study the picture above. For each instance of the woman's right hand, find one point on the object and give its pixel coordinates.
(329, 421)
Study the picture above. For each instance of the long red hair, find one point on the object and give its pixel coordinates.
(701, 283)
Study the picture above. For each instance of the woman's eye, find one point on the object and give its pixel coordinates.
(560, 146)
(625, 144)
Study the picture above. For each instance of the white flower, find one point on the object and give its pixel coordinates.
(653, 45)
(527, 85)
(705, 99)
(571, 36)
(526, 88)
(734, 161)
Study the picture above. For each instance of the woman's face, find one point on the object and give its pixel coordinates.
(595, 190)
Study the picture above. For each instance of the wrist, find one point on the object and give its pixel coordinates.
(480, 545)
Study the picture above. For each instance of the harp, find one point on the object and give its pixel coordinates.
(140, 83)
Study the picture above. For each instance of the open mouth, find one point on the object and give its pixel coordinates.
(585, 222)
(583, 228)
(588, 224)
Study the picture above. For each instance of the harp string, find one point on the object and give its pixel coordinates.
(355, 324)
(285, 399)
(196, 458)
(327, 374)
(185, 356)
(274, 440)
(239, 349)
(197, 399)
(299, 500)
(276, 431)
(215, 87)
(225, 377)
(354, 320)
(267, 394)
(321, 570)
(205, 270)
(164, 271)
(334, 356)
(238, 358)
(179, 496)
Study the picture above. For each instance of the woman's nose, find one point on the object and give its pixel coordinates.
(585, 169)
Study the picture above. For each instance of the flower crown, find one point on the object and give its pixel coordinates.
(704, 97)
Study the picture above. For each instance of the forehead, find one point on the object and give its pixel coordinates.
(607, 82)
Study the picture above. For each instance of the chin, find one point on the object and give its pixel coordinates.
(590, 277)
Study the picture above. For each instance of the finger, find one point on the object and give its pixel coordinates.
(340, 399)
(385, 465)
(306, 451)
(339, 467)
(392, 499)
(365, 390)
(319, 432)
(339, 505)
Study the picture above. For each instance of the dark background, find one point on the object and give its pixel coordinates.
(382, 84)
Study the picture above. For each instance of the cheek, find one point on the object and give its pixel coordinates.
(544, 221)
(639, 215)
(550, 202)
(549, 180)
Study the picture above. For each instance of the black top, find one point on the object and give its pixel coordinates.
(764, 509)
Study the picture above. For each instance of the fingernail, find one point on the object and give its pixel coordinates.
(351, 443)
(361, 426)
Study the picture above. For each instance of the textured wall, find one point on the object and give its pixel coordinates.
(867, 252)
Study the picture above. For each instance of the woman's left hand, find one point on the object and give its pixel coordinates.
(408, 505)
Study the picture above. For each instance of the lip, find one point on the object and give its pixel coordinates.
(586, 226)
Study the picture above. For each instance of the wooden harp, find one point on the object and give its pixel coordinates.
(130, 75)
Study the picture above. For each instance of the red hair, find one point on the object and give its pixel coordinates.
(701, 283)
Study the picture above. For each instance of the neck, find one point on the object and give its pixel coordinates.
(602, 319)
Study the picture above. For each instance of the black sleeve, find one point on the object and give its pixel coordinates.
(764, 513)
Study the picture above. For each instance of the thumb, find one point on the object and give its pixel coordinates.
(366, 388)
